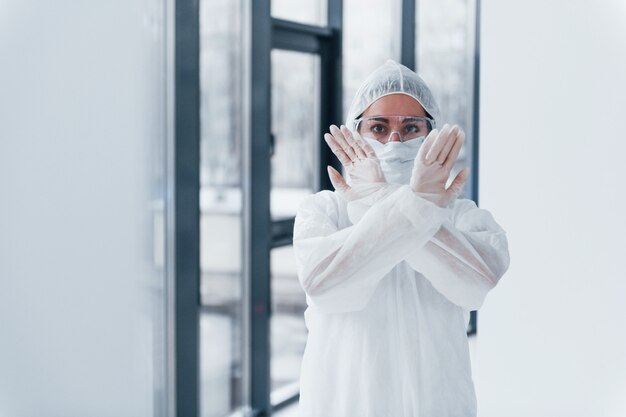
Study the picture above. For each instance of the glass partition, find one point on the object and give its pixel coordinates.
(312, 12)
(371, 35)
(222, 317)
(288, 331)
(295, 127)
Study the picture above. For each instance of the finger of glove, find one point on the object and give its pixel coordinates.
(337, 179)
(413, 180)
(423, 177)
(366, 147)
(428, 143)
(445, 151)
(459, 181)
(337, 150)
(454, 153)
(438, 145)
(342, 142)
(352, 142)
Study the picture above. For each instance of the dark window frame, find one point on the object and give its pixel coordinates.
(270, 33)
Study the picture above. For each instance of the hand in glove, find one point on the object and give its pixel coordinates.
(360, 162)
(433, 164)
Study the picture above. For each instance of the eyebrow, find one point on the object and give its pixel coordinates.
(411, 119)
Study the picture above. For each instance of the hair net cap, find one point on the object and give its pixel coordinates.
(392, 78)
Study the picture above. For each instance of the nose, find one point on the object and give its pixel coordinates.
(394, 137)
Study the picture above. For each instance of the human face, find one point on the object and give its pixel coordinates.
(395, 105)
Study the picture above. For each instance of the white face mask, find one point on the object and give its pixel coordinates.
(396, 158)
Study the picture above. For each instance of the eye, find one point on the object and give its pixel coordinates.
(378, 128)
(416, 127)
(412, 128)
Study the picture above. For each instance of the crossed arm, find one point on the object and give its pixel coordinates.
(463, 254)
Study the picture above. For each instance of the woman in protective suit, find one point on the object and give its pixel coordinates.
(392, 262)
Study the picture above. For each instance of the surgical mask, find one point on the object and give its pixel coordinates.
(396, 158)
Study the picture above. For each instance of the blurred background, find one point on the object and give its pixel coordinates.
(153, 154)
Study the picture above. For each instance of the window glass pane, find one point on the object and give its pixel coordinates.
(312, 12)
(289, 332)
(371, 35)
(295, 126)
(221, 106)
(445, 52)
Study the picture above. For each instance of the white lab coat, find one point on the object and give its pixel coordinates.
(390, 280)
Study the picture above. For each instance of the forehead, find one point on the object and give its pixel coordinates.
(395, 105)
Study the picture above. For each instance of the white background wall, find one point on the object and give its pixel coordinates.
(552, 334)
(81, 126)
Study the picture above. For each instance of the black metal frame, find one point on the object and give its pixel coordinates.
(257, 208)
(476, 105)
(186, 208)
(407, 38)
(473, 324)
(265, 234)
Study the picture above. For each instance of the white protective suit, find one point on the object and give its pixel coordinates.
(390, 280)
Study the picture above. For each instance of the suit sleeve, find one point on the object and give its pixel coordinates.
(339, 269)
(467, 256)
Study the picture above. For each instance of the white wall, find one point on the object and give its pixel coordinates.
(552, 335)
(81, 128)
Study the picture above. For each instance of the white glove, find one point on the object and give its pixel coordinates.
(433, 164)
(360, 162)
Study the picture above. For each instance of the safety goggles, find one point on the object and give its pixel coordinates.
(382, 128)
